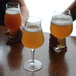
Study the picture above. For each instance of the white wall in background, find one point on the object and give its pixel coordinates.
(45, 9)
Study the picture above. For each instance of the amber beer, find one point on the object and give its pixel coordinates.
(61, 26)
(32, 37)
(13, 18)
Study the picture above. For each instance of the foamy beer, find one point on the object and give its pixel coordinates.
(33, 38)
(61, 27)
(13, 20)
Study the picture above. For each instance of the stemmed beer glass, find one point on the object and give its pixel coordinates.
(61, 27)
(33, 38)
(13, 18)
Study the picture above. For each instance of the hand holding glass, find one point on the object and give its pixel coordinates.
(61, 27)
(33, 38)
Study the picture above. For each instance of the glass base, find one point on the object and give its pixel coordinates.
(61, 46)
(59, 49)
(30, 66)
(14, 37)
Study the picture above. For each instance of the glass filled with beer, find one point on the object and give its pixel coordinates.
(61, 26)
(13, 19)
(33, 38)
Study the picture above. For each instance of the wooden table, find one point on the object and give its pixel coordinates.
(12, 58)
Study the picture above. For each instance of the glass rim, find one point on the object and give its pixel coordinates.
(14, 3)
(33, 19)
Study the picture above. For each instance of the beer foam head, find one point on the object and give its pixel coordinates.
(12, 11)
(62, 20)
(34, 28)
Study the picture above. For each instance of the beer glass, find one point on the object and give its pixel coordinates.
(33, 38)
(13, 18)
(61, 26)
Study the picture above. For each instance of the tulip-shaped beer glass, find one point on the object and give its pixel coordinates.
(13, 18)
(61, 27)
(33, 38)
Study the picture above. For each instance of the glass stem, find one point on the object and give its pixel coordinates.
(62, 42)
(33, 54)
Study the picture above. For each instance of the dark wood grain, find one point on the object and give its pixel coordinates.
(12, 57)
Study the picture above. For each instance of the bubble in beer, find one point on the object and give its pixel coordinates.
(62, 20)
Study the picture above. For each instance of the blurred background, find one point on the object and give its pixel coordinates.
(45, 9)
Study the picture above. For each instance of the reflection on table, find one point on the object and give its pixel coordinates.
(12, 58)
